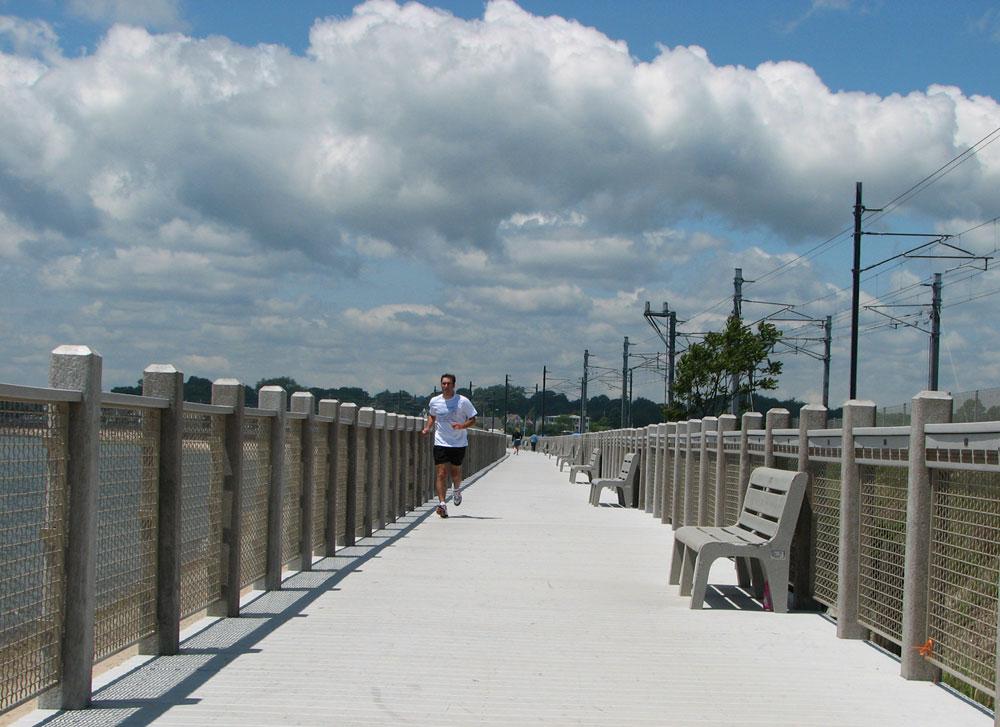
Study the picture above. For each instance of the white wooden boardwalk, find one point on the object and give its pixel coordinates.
(526, 607)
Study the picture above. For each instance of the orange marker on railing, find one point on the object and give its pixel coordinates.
(927, 649)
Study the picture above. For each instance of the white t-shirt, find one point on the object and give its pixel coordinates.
(457, 410)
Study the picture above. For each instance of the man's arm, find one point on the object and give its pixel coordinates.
(470, 422)
(429, 425)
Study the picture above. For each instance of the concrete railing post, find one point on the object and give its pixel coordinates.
(666, 509)
(856, 414)
(708, 424)
(230, 392)
(305, 403)
(751, 420)
(677, 507)
(349, 419)
(366, 421)
(727, 423)
(392, 464)
(275, 398)
(331, 408)
(929, 407)
(166, 382)
(382, 514)
(79, 368)
(659, 447)
(690, 482)
(775, 419)
(803, 563)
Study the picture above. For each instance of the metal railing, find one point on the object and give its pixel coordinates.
(177, 508)
(899, 534)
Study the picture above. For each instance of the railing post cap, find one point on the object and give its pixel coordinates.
(272, 387)
(710, 423)
(390, 421)
(348, 413)
(160, 369)
(74, 350)
(941, 395)
(366, 417)
(302, 402)
(226, 382)
(380, 415)
(813, 407)
(859, 402)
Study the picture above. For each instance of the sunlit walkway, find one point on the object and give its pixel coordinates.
(526, 607)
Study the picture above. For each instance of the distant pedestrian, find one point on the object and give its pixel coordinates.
(517, 441)
(450, 414)
(534, 441)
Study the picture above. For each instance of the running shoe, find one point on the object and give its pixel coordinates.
(442, 510)
(457, 497)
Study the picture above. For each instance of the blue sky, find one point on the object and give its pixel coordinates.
(368, 196)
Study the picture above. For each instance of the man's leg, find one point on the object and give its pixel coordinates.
(441, 482)
(441, 485)
(456, 479)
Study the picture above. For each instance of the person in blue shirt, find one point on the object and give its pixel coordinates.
(449, 414)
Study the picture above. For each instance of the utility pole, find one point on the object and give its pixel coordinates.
(667, 372)
(734, 382)
(935, 342)
(506, 397)
(671, 354)
(855, 289)
(631, 374)
(544, 374)
(536, 413)
(624, 380)
(583, 391)
(827, 339)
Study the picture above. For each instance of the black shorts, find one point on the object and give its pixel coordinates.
(448, 455)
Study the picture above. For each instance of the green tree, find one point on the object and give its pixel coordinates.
(704, 378)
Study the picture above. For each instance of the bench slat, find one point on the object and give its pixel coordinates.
(765, 503)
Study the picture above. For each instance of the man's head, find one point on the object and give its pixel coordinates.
(447, 385)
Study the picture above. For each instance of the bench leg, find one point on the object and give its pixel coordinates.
(777, 580)
(595, 495)
(700, 585)
(675, 563)
(687, 570)
(621, 497)
(743, 572)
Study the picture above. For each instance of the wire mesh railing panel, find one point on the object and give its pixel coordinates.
(710, 480)
(291, 515)
(733, 504)
(981, 405)
(253, 510)
(680, 491)
(32, 543)
(883, 541)
(321, 469)
(668, 484)
(826, 513)
(202, 473)
(128, 469)
(341, 524)
(694, 486)
(964, 562)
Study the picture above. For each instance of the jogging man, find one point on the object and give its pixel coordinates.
(450, 414)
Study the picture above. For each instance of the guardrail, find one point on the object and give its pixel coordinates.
(900, 530)
(123, 515)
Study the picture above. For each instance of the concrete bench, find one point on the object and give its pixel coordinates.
(588, 469)
(623, 484)
(566, 457)
(763, 532)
